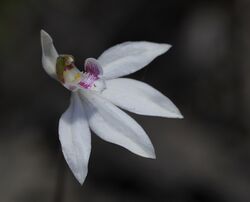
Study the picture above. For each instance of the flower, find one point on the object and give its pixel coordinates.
(97, 92)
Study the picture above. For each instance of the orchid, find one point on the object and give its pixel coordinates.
(97, 94)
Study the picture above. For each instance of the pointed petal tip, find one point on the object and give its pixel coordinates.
(80, 176)
(151, 156)
(149, 152)
(45, 36)
(166, 47)
(43, 33)
(168, 114)
(177, 115)
(81, 181)
(180, 116)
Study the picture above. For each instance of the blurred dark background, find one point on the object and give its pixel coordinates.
(205, 157)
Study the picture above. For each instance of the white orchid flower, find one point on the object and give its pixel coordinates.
(97, 92)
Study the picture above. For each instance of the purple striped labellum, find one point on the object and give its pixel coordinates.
(72, 78)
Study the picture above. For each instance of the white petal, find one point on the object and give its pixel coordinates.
(128, 57)
(115, 126)
(75, 138)
(49, 54)
(99, 85)
(140, 98)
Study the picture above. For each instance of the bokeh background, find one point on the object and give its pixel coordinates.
(204, 157)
